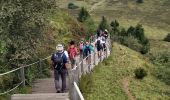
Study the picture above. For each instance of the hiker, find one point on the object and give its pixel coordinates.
(103, 42)
(98, 44)
(105, 33)
(59, 62)
(87, 50)
(72, 52)
(81, 48)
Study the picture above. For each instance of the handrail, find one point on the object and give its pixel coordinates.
(77, 88)
(11, 89)
(78, 91)
(18, 68)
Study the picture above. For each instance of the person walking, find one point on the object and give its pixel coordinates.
(98, 44)
(87, 50)
(81, 49)
(72, 52)
(59, 62)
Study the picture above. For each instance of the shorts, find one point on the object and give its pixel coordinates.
(99, 48)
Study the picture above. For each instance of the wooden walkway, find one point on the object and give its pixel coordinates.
(44, 89)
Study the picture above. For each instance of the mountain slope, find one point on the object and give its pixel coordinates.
(114, 79)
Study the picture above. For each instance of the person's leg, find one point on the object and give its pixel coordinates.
(56, 80)
(63, 78)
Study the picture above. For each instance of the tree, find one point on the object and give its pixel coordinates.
(22, 23)
(83, 15)
(115, 26)
(167, 38)
(103, 24)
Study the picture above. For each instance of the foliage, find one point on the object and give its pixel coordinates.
(140, 73)
(72, 6)
(140, 1)
(162, 62)
(167, 38)
(133, 37)
(91, 27)
(115, 25)
(103, 24)
(83, 15)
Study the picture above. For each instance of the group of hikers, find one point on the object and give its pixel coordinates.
(63, 58)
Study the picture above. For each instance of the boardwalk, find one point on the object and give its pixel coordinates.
(44, 89)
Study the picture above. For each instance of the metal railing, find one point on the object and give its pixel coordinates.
(81, 68)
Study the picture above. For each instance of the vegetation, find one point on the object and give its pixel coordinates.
(29, 31)
(140, 73)
(83, 15)
(140, 1)
(103, 24)
(72, 6)
(107, 81)
(133, 37)
(167, 38)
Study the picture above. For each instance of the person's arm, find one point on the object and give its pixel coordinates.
(66, 62)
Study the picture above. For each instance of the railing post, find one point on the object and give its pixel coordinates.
(22, 76)
(82, 64)
(40, 66)
(94, 58)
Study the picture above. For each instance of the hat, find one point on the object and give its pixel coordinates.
(59, 47)
(106, 30)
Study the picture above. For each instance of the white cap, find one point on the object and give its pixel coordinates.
(59, 47)
(106, 30)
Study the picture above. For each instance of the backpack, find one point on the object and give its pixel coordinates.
(98, 43)
(87, 50)
(72, 52)
(58, 61)
(81, 46)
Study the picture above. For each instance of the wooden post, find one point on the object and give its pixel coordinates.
(82, 69)
(40, 67)
(22, 76)
(94, 58)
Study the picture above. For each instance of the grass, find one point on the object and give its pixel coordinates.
(152, 14)
(104, 83)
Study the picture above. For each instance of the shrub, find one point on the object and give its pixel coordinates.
(103, 24)
(139, 1)
(140, 73)
(72, 6)
(167, 38)
(132, 43)
(83, 15)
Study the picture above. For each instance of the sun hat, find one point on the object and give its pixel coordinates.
(59, 47)
(106, 30)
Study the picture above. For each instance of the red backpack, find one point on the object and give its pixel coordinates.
(72, 52)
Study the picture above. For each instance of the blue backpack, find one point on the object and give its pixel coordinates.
(87, 50)
(58, 60)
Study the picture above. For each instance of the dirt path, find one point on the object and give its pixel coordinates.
(125, 87)
(95, 5)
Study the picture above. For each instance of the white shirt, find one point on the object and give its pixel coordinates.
(66, 53)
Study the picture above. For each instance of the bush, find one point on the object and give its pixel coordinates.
(72, 6)
(139, 1)
(140, 73)
(167, 38)
(83, 15)
(103, 24)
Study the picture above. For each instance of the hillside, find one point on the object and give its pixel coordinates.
(114, 79)
(153, 15)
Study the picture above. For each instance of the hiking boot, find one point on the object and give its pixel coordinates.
(58, 91)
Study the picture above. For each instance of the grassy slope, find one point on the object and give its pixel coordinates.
(152, 14)
(105, 82)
